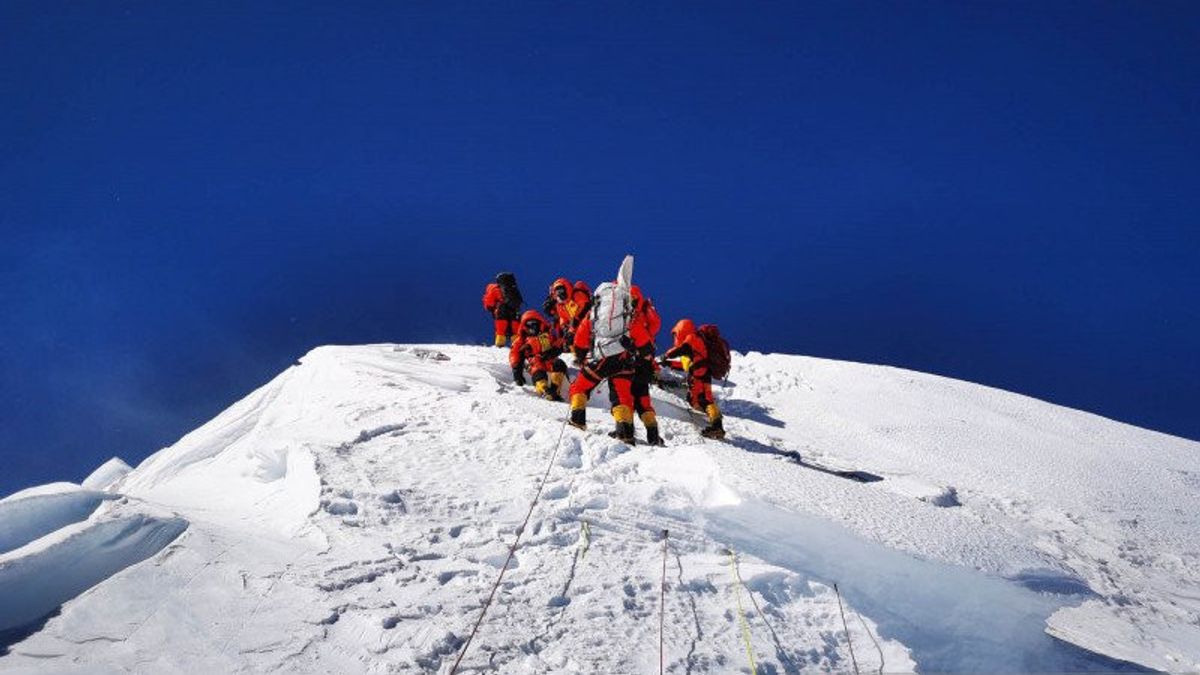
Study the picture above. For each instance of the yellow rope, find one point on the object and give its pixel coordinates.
(742, 615)
(586, 535)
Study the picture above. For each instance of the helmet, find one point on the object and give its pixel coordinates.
(560, 289)
(636, 294)
(581, 286)
(532, 322)
(684, 328)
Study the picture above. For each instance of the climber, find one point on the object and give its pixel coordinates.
(536, 348)
(503, 301)
(643, 328)
(565, 306)
(600, 346)
(691, 355)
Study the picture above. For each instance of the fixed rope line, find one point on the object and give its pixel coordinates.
(846, 628)
(783, 656)
(662, 606)
(512, 550)
(586, 537)
(872, 636)
(741, 614)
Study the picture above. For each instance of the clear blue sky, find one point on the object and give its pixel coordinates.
(191, 195)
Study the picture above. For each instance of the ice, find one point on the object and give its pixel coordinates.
(33, 513)
(35, 579)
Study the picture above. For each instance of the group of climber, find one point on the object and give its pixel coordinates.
(610, 334)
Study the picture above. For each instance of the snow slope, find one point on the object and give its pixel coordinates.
(352, 515)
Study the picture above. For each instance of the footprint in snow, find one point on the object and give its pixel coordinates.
(445, 577)
(596, 503)
(341, 508)
(572, 457)
(557, 492)
(497, 561)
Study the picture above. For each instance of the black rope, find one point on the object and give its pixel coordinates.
(662, 606)
(846, 628)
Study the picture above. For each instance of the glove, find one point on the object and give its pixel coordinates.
(519, 377)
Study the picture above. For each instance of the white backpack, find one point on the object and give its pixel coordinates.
(612, 310)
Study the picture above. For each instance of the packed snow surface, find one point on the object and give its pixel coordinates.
(353, 514)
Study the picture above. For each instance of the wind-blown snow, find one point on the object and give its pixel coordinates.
(352, 514)
(107, 474)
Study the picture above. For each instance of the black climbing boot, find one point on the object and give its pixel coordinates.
(624, 433)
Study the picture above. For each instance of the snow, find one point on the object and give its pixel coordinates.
(107, 474)
(41, 575)
(32, 513)
(352, 514)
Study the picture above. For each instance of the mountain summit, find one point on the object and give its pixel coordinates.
(355, 513)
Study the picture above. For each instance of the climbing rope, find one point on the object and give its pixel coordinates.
(512, 550)
(662, 605)
(846, 628)
(783, 656)
(741, 614)
(871, 635)
(585, 538)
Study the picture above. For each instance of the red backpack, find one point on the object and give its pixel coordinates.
(718, 350)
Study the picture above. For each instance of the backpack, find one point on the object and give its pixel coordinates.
(612, 310)
(508, 289)
(718, 350)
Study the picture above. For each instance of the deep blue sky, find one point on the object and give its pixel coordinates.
(191, 197)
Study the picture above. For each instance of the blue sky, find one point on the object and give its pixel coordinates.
(193, 196)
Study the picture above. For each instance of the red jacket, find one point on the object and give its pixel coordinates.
(492, 297)
(570, 312)
(645, 325)
(691, 347)
(538, 351)
(583, 338)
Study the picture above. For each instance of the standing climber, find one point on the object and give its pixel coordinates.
(582, 297)
(503, 301)
(691, 355)
(565, 306)
(643, 328)
(538, 350)
(602, 344)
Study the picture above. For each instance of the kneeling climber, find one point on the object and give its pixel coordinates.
(538, 350)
